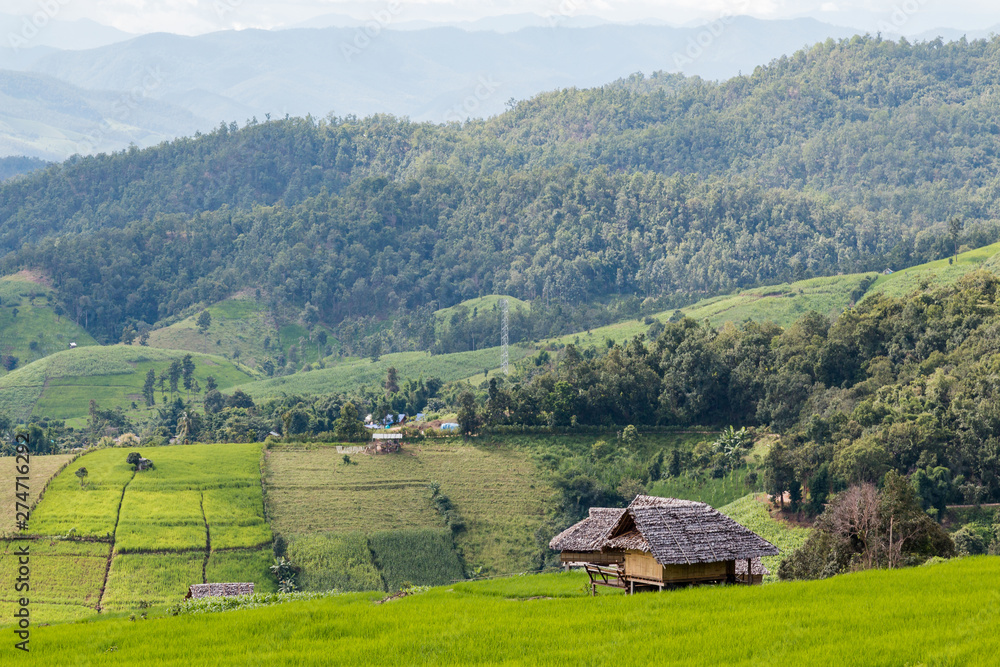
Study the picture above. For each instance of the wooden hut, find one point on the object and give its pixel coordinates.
(582, 542)
(669, 542)
(198, 591)
(663, 543)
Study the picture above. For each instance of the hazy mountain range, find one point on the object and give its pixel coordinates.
(114, 89)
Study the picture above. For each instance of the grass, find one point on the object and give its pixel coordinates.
(442, 317)
(497, 491)
(751, 511)
(62, 385)
(353, 374)
(238, 329)
(572, 584)
(61, 572)
(341, 561)
(242, 565)
(416, 557)
(40, 470)
(35, 331)
(705, 489)
(138, 580)
(937, 273)
(945, 614)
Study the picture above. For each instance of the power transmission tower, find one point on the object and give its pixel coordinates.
(504, 322)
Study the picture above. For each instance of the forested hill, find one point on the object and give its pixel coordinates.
(844, 157)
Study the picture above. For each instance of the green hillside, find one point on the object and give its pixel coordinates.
(350, 375)
(241, 328)
(900, 617)
(62, 385)
(30, 324)
(937, 273)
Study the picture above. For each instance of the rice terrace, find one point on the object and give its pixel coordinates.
(500, 333)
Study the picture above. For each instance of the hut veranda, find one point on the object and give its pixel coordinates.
(662, 543)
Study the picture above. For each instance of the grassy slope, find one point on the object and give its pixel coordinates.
(162, 510)
(942, 614)
(937, 273)
(751, 511)
(238, 324)
(35, 322)
(350, 375)
(497, 492)
(62, 385)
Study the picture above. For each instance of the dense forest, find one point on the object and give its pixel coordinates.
(843, 157)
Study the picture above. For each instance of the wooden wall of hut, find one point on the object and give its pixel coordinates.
(595, 557)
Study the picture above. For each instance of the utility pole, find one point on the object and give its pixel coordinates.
(504, 323)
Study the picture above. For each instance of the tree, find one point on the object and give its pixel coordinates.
(148, 388)
(81, 473)
(210, 383)
(214, 401)
(187, 368)
(391, 380)
(349, 425)
(778, 472)
(954, 232)
(9, 362)
(133, 458)
(204, 321)
(239, 399)
(468, 419)
(174, 373)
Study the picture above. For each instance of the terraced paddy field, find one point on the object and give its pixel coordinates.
(40, 470)
(197, 516)
(498, 493)
(942, 614)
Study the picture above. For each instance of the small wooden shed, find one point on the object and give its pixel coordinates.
(198, 591)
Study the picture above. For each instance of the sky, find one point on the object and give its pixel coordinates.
(193, 17)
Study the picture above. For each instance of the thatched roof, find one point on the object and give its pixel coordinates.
(589, 534)
(219, 590)
(678, 532)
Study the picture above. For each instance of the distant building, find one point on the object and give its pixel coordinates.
(887, 272)
(72, 345)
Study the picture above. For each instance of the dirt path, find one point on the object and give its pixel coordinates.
(111, 551)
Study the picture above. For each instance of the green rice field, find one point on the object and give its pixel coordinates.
(195, 496)
(497, 491)
(942, 614)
